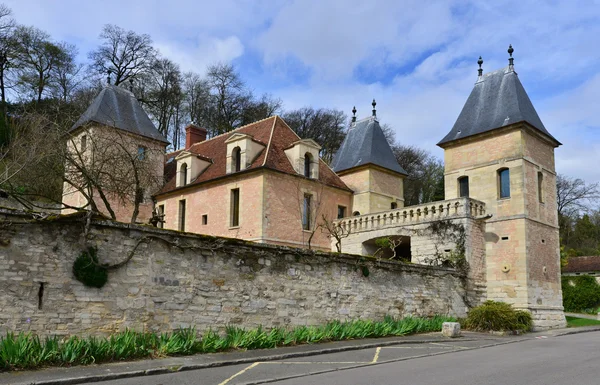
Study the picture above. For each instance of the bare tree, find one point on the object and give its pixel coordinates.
(7, 53)
(67, 74)
(26, 147)
(326, 126)
(335, 230)
(111, 168)
(162, 92)
(425, 182)
(258, 109)
(229, 96)
(574, 195)
(125, 54)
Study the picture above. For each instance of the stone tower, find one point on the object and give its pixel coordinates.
(109, 135)
(499, 152)
(366, 164)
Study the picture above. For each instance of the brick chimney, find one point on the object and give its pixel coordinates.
(194, 134)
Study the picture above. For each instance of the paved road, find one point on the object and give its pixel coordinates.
(573, 359)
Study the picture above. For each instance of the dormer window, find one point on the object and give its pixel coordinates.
(236, 159)
(304, 157)
(307, 164)
(242, 150)
(183, 172)
(189, 167)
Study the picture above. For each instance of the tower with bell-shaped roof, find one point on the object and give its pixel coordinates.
(500, 152)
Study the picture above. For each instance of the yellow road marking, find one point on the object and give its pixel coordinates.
(376, 355)
(240, 372)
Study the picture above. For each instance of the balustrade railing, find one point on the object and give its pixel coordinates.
(460, 207)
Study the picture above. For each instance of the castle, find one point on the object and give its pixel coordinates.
(263, 183)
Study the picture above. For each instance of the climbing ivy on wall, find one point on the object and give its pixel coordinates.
(88, 271)
(444, 232)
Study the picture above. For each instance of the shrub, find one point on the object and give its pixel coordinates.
(580, 293)
(498, 316)
(87, 270)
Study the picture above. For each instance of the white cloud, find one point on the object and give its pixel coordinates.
(196, 56)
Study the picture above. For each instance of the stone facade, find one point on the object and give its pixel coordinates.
(375, 188)
(522, 242)
(107, 149)
(179, 279)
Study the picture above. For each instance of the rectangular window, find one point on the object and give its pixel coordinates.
(504, 182)
(463, 186)
(182, 215)
(205, 219)
(235, 207)
(541, 187)
(141, 153)
(83, 143)
(341, 212)
(161, 216)
(306, 217)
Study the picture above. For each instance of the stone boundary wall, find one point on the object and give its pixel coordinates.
(179, 279)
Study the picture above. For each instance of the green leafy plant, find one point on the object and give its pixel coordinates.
(88, 271)
(27, 351)
(498, 316)
(580, 294)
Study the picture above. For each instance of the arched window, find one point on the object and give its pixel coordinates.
(237, 159)
(183, 171)
(504, 183)
(307, 164)
(541, 186)
(463, 186)
(394, 205)
(356, 213)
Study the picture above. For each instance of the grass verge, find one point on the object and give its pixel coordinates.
(27, 351)
(574, 322)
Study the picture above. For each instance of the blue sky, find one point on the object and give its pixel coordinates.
(416, 58)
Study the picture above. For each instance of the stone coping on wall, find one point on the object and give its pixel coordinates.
(12, 216)
(411, 215)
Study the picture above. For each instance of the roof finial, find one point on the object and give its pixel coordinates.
(353, 114)
(510, 59)
(131, 84)
(108, 76)
(480, 62)
(374, 104)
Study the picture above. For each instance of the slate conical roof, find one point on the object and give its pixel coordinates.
(116, 107)
(498, 99)
(364, 144)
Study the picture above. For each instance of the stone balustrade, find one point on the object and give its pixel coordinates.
(411, 215)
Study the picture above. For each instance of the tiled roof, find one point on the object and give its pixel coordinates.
(582, 264)
(116, 107)
(498, 99)
(273, 132)
(364, 144)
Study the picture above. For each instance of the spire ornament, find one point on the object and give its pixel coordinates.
(354, 114)
(108, 73)
(510, 59)
(480, 62)
(374, 104)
